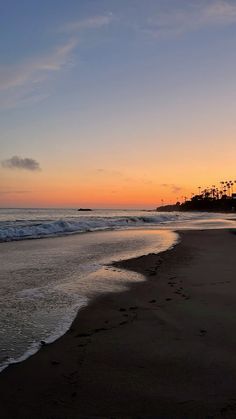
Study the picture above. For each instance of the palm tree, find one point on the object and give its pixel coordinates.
(222, 183)
(231, 187)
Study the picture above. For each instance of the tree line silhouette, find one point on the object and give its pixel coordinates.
(212, 198)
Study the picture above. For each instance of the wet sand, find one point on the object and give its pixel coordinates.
(165, 348)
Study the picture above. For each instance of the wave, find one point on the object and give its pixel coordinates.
(59, 331)
(32, 230)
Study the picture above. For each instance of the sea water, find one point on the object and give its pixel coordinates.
(27, 223)
(43, 283)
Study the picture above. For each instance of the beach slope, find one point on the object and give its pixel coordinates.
(164, 348)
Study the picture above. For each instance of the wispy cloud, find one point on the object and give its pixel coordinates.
(111, 174)
(173, 188)
(93, 22)
(22, 96)
(194, 16)
(22, 84)
(17, 162)
(36, 69)
(107, 172)
(13, 192)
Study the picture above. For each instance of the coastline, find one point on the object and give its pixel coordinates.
(163, 347)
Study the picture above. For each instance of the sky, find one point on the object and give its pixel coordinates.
(115, 103)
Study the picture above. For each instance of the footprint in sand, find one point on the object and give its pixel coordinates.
(83, 335)
(151, 273)
(55, 362)
(99, 329)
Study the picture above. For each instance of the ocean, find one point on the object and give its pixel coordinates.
(54, 261)
(28, 223)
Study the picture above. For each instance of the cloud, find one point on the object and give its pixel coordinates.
(138, 180)
(174, 188)
(16, 162)
(12, 192)
(100, 170)
(193, 17)
(21, 84)
(23, 96)
(93, 22)
(36, 69)
(107, 172)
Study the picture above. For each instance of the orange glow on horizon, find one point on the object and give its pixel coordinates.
(105, 188)
(128, 196)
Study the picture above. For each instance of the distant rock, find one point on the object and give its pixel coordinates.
(84, 209)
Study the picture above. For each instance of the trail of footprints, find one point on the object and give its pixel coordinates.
(129, 315)
(179, 290)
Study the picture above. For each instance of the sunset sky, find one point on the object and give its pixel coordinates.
(115, 103)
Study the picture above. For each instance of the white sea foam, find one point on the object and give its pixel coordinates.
(30, 293)
(60, 330)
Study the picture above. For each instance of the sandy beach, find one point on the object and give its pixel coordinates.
(165, 348)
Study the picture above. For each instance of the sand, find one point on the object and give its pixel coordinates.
(166, 348)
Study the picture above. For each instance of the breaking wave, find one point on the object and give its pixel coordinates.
(21, 230)
(23, 224)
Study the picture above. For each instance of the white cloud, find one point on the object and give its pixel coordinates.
(93, 22)
(22, 84)
(193, 17)
(36, 69)
(220, 12)
(22, 96)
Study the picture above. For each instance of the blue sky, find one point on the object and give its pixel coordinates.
(143, 88)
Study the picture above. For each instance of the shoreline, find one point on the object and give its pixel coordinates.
(87, 280)
(36, 346)
(123, 346)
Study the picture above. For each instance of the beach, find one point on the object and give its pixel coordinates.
(163, 348)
